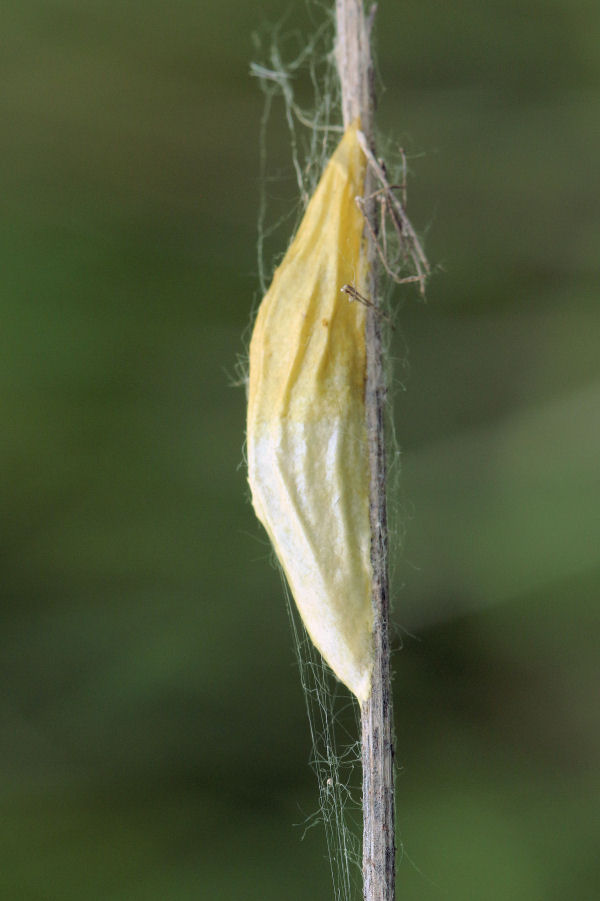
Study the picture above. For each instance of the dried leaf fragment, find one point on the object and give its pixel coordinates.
(306, 432)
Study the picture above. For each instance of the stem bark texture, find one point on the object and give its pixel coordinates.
(355, 69)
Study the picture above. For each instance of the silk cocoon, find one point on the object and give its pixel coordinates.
(306, 431)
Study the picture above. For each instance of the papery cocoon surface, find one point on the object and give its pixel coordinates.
(306, 436)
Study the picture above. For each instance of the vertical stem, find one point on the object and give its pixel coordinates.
(355, 70)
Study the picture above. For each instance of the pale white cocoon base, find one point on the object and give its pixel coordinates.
(324, 559)
(306, 439)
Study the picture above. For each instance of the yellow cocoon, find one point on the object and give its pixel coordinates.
(306, 440)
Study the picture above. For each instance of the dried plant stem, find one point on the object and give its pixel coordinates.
(355, 70)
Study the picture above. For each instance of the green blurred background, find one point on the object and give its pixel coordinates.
(153, 739)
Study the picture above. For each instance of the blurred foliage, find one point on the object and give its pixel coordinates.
(153, 740)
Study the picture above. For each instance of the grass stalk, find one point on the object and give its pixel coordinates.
(354, 61)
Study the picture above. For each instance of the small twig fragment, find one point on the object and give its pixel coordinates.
(354, 294)
(382, 251)
(406, 233)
